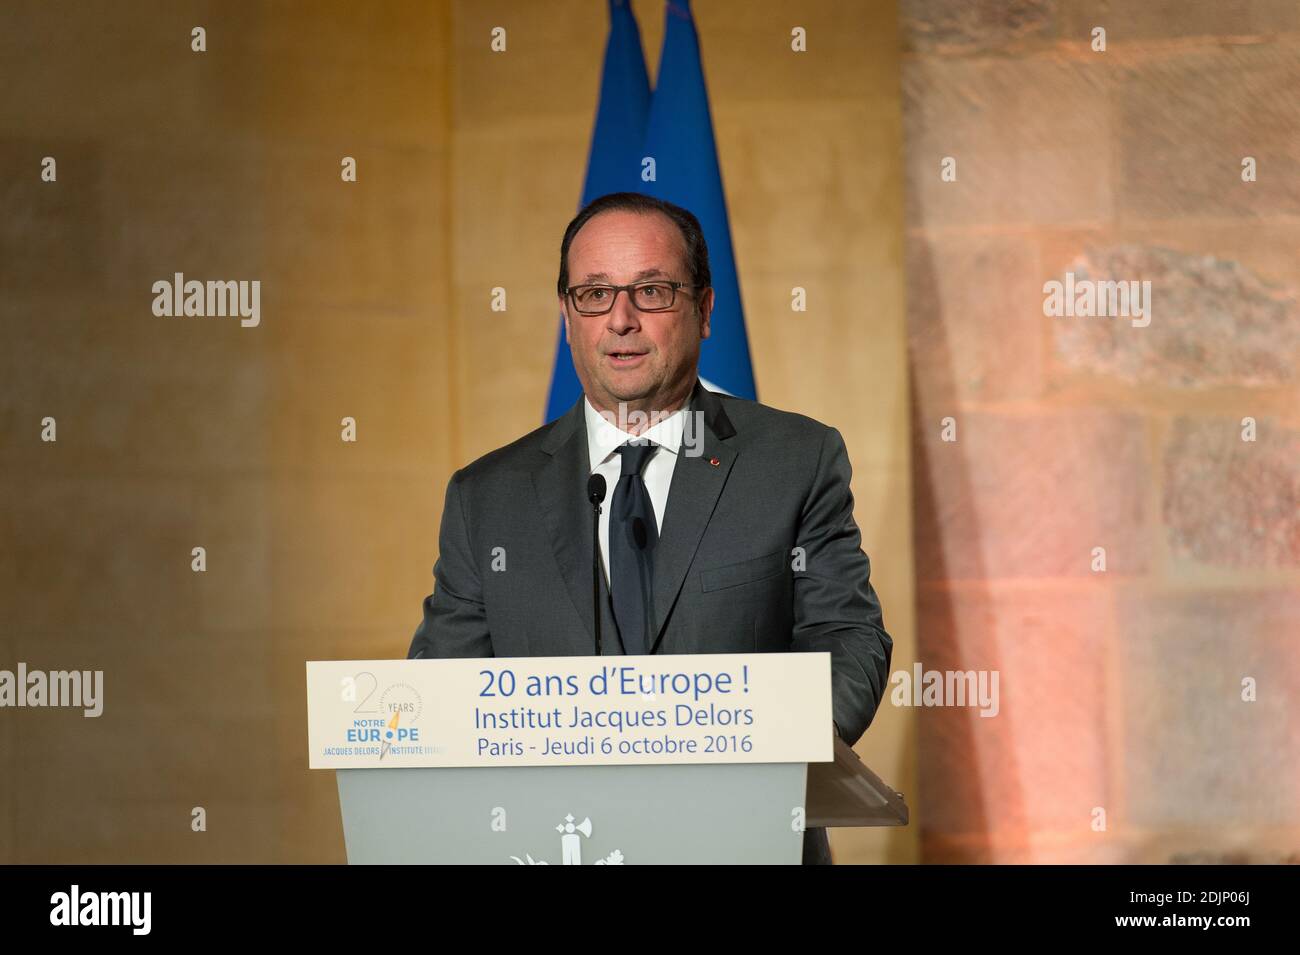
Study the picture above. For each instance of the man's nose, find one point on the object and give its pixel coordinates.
(624, 315)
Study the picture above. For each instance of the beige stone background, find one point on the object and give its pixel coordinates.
(1119, 690)
(375, 302)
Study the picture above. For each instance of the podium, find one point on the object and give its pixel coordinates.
(750, 809)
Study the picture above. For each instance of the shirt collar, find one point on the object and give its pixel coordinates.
(603, 437)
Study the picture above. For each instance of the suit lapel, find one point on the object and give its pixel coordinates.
(697, 483)
(561, 486)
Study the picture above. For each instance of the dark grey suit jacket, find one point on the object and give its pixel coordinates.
(727, 577)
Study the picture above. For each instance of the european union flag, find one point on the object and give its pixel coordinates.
(675, 129)
(679, 137)
(614, 158)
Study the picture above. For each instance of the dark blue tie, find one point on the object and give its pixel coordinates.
(633, 535)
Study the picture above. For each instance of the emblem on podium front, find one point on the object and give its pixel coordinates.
(571, 836)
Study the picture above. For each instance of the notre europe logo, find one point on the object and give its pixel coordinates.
(383, 722)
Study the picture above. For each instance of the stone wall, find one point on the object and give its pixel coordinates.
(1122, 733)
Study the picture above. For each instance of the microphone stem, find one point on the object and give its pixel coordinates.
(595, 571)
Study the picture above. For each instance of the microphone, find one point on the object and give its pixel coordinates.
(595, 494)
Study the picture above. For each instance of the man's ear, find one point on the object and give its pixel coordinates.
(565, 312)
(706, 309)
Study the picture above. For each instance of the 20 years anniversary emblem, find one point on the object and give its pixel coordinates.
(384, 719)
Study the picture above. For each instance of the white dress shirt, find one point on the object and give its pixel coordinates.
(603, 437)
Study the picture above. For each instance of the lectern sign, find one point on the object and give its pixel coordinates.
(558, 711)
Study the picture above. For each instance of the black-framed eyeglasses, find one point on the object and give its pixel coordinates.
(658, 296)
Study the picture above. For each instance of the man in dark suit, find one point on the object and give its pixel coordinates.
(731, 523)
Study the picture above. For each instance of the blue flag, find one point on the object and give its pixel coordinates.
(679, 136)
(614, 158)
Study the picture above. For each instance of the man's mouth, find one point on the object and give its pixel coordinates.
(625, 357)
